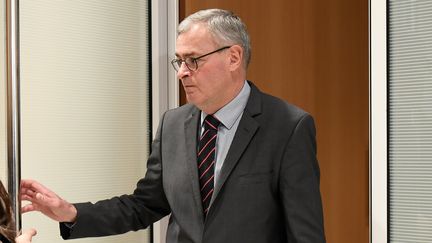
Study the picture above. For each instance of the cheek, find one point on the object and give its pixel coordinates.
(211, 86)
(205, 90)
(204, 83)
(211, 83)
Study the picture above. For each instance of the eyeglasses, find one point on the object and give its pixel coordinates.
(192, 62)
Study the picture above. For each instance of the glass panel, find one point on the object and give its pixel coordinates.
(84, 102)
(410, 121)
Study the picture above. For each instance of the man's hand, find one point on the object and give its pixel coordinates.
(26, 236)
(47, 202)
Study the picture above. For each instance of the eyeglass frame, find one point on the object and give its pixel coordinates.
(194, 60)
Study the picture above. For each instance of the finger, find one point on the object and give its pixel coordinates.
(26, 198)
(42, 199)
(37, 187)
(24, 190)
(31, 232)
(27, 195)
(39, 198)
(27, 208)
(30, 192)
(26, 236)
(27, 192)
(37, 201)
(26, 183)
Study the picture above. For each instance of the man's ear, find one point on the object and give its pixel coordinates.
(236, 57)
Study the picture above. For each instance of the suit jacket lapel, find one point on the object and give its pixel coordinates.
(245, 132)
(191, 133)
(240, 142)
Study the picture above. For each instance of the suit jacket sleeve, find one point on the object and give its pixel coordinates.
(299, 185)
(128, 212)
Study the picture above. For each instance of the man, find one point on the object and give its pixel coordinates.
(233, 165)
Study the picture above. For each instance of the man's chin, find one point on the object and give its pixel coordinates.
(191, 99)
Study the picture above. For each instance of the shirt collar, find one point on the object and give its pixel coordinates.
(229, 114)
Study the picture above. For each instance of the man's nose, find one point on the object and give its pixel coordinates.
(183, 71)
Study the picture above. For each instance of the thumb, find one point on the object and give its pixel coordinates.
(26, 236)
(40, 197)
(31, 232)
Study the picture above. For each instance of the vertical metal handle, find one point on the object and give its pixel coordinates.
(13, 107)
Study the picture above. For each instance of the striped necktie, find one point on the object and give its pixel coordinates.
(206, 160)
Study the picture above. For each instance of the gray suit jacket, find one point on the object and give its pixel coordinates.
(268, 189)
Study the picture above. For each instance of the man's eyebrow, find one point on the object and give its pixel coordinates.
(190, 54)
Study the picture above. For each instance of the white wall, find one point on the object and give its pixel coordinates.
(85, 102)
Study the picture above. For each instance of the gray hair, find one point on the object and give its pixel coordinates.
(224, 26)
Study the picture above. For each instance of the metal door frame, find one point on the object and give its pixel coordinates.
(378, 121)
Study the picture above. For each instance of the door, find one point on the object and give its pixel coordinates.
(85, 102)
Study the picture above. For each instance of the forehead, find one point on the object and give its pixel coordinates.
(194, 41)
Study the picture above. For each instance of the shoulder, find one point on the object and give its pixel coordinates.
(179, 115)
(276, 105)
(281, 121)
(273, 109)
